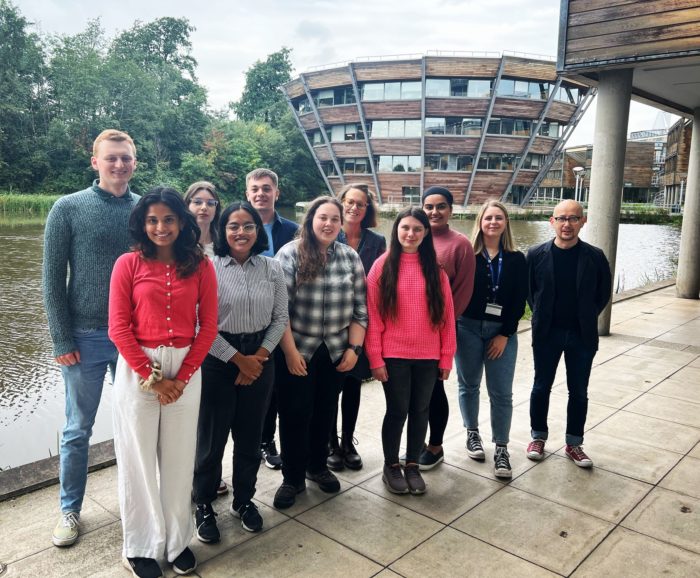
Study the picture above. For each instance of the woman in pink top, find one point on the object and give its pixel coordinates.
(158, 295)
(410, 340)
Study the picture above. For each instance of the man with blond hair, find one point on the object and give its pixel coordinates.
(570, 284)
(85, 233)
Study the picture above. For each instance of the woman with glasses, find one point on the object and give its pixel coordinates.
(162, 319)
(238, 373)
(203, 202)
(487, 332)
(327, 321)
(410, 340)
(359, 213)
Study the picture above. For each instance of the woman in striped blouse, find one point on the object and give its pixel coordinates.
(238, 373)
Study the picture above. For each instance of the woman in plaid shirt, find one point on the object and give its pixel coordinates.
(328, 317)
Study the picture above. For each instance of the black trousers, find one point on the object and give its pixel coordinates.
(407, 394)
(270, 424)
(236, 409)
(306, 412)
(439, 413)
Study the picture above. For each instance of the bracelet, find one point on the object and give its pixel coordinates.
(155, 377)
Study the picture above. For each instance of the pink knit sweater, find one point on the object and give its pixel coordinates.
(410, 335)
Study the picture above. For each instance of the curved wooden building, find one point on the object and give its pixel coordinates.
(485, 127)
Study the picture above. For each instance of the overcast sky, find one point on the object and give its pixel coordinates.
(231, 35)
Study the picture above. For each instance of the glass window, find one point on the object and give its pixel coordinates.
(303, 106)
(317, 139)
(507, 125)
(414, 163)
(434, 126)
(410, 90)
(396, 128)
(392, 90)
(384, 164)
(471, 126)
(432, 162)
(479, 88)
(325, 98)
(400, 163)
(458, 87)
(494, 127)
(348, 166)
(412, 128)
(522, 88)
(379, 129)
(411, 194)
(328, 168)
(453, 125)
(362, 166)
(344, 95)
(338, 133)
(437, 87)
(465, 162)
(506, 87)
(507, 162)
(521, 127)
(373, 91)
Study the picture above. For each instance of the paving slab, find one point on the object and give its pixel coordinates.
(684, 478)
(673, 410)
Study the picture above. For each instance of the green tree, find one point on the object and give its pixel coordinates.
(22, 120)
(262, 100)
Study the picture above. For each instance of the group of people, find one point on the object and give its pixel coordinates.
(218, 321)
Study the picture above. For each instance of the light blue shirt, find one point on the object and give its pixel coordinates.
(271, 248)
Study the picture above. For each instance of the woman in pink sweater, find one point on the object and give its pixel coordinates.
(158, 294)
(410, 340)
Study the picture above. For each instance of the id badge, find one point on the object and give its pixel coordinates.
(494, 309)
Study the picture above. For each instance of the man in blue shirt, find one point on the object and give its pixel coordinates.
(262, 191)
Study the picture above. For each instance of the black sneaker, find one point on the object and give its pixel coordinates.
(326, 481)
(475, 449)
(251, 520)
(205, 523)
(185, 562)
(143, 567)
(286, 495)
(428, 460)
(270, 455)
(334, 461)
(414, 480)
(501, 467)
(351, 458)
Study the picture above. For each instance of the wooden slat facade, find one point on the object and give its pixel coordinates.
(399, 146)
(328, 78)
(560, 111)
(446, 67)
(377, 71)
(294, 89)
(504, 144)
(517, 108)
(543, 145)
(349, 149)
(455, 182)
(475, 107)
(387, 110)
(528, 69)
(308, 121)
(343, 114)
(458, 145)
(392, 183)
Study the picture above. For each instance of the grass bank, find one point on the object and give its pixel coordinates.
(17, 206)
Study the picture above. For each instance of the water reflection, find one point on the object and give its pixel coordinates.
(31, 388)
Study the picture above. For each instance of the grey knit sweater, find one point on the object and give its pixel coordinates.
(85, 233)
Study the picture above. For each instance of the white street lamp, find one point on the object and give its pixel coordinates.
(579, 173)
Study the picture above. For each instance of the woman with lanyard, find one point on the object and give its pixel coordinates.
(456, 256)
(158, 295)
(359, 213)
(238, 372)
(327, 320)
(203, 202)
(487, 332)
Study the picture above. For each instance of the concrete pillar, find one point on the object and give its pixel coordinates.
(607, 169)
(688, 279)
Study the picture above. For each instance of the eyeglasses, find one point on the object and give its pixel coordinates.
(357, 204)
(199, 202)
(573, 219)
(247, 228)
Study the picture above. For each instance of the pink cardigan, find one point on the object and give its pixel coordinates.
(456, 255)
(410, 335)
(149, 305)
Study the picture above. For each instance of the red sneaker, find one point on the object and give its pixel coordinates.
(579, 457)
(535, 450)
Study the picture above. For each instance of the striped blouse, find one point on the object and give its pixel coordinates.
(252, 298)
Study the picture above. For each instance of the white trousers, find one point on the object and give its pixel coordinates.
(155, 448)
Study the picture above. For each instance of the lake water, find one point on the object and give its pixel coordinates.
(31, 388)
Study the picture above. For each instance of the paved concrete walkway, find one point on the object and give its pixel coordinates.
(636, 513)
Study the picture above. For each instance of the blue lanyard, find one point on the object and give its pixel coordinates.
(494, 274)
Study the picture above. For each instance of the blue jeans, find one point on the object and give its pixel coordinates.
(83, 383)
(473, 337)
(578, 359)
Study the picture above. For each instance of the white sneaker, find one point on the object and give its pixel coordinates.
(66, 531)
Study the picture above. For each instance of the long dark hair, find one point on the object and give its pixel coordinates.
(188, 254)
(193, 189)
(221, 247)
(388, 306)
(310, 258)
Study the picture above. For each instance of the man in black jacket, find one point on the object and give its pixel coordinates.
(262, 191)
(570, 284)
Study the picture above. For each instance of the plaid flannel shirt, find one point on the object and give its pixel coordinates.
(321, 311)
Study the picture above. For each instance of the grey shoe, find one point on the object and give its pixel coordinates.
(415, 482)
(66, 531)
(394, 480)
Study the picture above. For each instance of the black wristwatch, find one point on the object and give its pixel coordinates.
(357, 349)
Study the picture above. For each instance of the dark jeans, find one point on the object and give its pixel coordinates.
(306, 412)
(407, 393)
(438, 414)
(578, 359)
(350, 408)
(238, 409)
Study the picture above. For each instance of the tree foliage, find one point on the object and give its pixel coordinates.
(57, 93)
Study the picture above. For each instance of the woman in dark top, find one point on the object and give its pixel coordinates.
(359, 213)
(487, 332)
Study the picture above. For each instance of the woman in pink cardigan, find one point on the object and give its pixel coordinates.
(410, 340)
